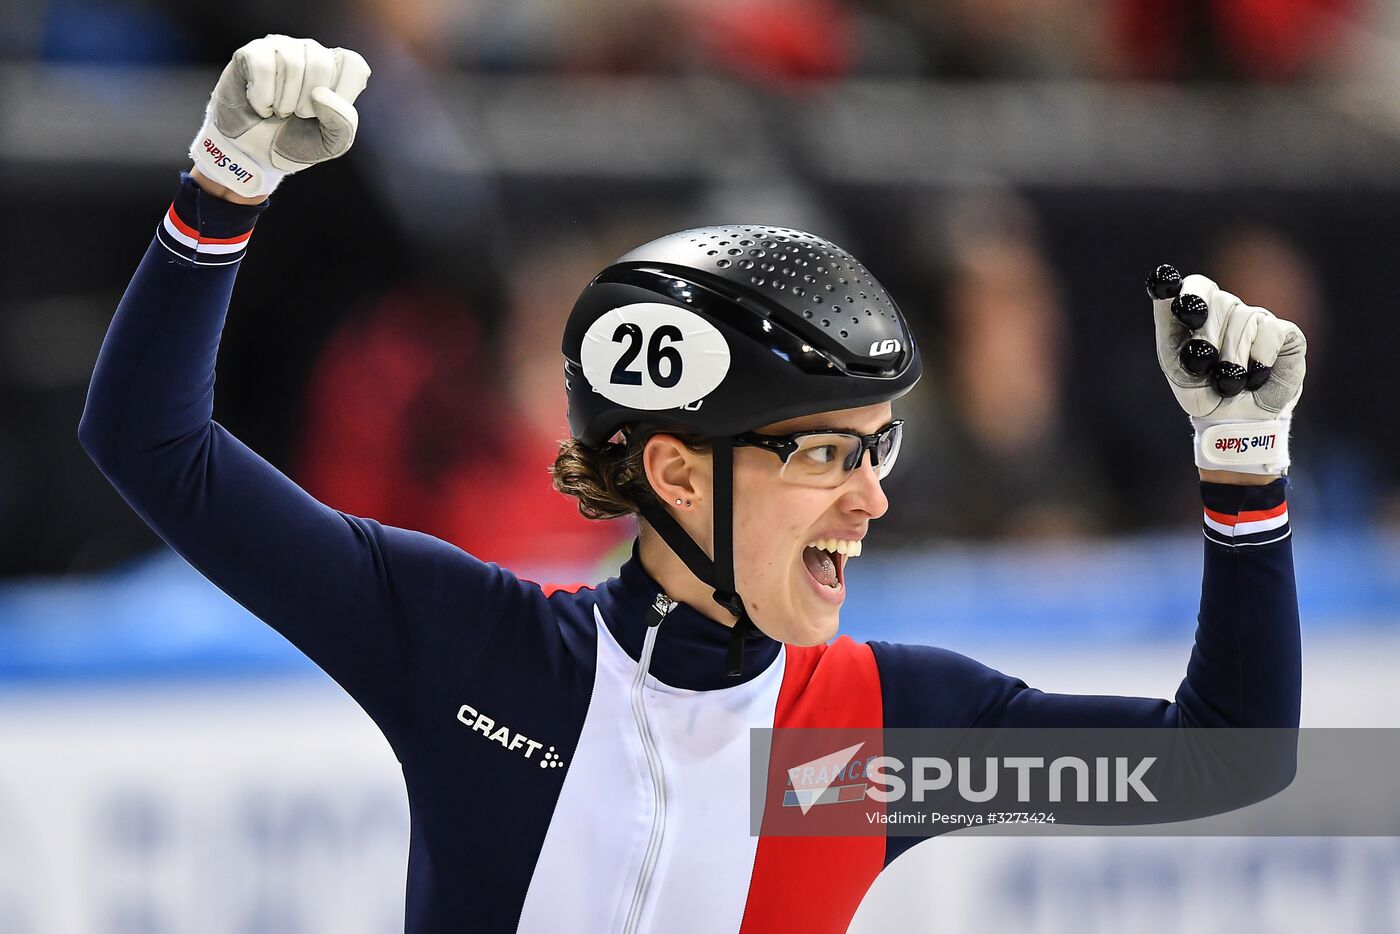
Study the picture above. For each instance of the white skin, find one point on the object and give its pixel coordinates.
(774, 520)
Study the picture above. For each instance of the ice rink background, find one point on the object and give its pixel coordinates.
(216, 782)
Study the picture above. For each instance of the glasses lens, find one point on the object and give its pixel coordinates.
(888, 448)
(820, 460)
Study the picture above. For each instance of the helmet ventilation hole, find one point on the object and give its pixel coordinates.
(802, 276)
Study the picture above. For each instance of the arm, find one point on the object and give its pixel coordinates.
(371, 605)
(362, 600)
(1238, 372)
(1244, 670)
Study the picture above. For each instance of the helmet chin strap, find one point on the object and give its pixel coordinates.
(718, 573)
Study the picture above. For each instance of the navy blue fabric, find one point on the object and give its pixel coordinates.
(412, 627)
(1245, 668)
(425, 636)
(1218, 498)
(690, 650)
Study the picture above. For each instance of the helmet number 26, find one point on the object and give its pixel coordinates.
(652, 356)
(657, 354)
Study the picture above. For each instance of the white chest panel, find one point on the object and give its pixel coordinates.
(589, 868)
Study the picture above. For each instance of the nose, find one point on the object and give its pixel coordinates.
(863, 491)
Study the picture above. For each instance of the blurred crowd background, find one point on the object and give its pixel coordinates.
(1010, 169)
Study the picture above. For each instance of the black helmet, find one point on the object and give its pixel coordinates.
(720, 330)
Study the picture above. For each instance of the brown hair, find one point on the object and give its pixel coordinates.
(610, 482)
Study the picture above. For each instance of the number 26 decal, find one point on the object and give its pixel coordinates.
(653, 356)
(657, 354)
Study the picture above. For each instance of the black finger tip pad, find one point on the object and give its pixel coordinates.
(1258, 375)
(1190, 311)
(1198, 357)
(1229, 379)
(1164, 282)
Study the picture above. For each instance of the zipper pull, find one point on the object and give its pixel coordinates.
(662, 606)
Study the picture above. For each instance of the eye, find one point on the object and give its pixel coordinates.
(821, 454)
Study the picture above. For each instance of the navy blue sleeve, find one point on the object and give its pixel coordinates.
(376, 607)
(1245, 669)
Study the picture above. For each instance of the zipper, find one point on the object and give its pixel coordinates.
(655, 614)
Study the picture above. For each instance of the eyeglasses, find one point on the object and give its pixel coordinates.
(825, 458)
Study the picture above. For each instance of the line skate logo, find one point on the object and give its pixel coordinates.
(884, 347)
(222, 160)
(509, 740)
(1242, 445)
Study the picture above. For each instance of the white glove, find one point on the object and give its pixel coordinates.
(281, 105)
(1236, 369)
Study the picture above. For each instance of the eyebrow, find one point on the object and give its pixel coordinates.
(837, 431)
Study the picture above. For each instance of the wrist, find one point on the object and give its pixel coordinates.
(213, 188)
(205, 230)
(1236, 478)
(245, 167)
(1243, 446)
(1245, 516)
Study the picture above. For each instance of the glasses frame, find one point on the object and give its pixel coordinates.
(787, 445)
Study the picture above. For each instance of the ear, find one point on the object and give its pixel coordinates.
(675, 472)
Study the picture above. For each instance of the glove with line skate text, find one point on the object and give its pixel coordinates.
(281, 104)
(1236, 369)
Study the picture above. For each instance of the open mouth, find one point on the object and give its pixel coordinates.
(825, 561)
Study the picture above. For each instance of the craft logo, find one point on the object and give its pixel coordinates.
(508, 739)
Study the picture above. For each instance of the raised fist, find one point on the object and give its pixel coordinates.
(281, 105)
(1237, 370)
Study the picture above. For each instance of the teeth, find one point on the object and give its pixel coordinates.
(851, 549)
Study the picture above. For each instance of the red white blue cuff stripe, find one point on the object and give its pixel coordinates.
(205, 231)
(185, 241)
(1247, 527)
